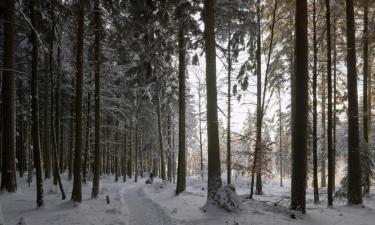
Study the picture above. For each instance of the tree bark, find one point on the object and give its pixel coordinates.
(315, 110)
(354, 167)
(323, 155)
(229, 61)
(97, 164)
(181, 169)
(334, 105)
(300, 108)
(214, 170)
(257, 154)
(87, 145)
(125, 153)
(77, 188)
(56, 169)
(169, 130)
(136, 151)
(8, 174)
(200, 126)
(47, 135)
(366, 108)
(161, 144)
(71, 139)
(329, 92)
(35, 107)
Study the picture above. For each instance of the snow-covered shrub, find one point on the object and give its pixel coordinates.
(228, 199)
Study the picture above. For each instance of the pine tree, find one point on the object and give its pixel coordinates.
(315, 111)
(329, 92)
(8, 174)
(300, 108)
(35, 105)
(214, 170)
(366, 101)
(354, 167)
(181, 169)
(77, 187)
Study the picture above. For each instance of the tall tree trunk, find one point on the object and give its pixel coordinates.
(200, 126)
(334, 105)
(141, 154)
(181, 169)
(300, 108)
(280, 138)
(366, 109)
(130, 158)
(161, 145)
(315, 110)
(169, 130)
(116, 156)
(46, 138)
(257, 154)
(58, 124)
(87, 145)
(354, 167)
(174, 155)
(77, 188)
(229, 61)
(35, 106)
(125, 153)
(136, 151)
(214, 170)
(56, 169)
(71, 139)
(8, 174)
(329, 91)
(323, 135)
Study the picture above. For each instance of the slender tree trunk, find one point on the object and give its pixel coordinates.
(125, 153)
(214, 170)
(8, 174)
(30, 165)
(315, 111)
(57, 122)
(174, 155)
(77, 188)
(181, 169)
(130, 158)
(35, 106)
(200, 126)
(366, 108)
(329, 91)
(300, 108)
(71, 141)
(56, 169)
(136, 151)
(87, 145)
(116, 156)
(229, 158)
(169, 130)
(334, 106)
(141, 154)
(161, 145)
(354, 165)
(257, 154)
(323, 136)
(46, 138)
(280, 139)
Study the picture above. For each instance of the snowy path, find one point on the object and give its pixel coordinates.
(140, 210)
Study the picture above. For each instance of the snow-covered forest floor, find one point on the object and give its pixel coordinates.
(141, 204)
